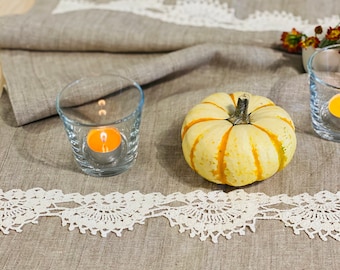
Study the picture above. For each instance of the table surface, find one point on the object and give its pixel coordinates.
(269, 240)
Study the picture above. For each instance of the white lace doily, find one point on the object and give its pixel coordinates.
(208, 13)
(206, 215)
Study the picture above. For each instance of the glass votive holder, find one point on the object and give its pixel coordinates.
(102, 116)
(324, 78)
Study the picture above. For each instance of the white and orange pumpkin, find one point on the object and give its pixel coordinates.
(237, 138)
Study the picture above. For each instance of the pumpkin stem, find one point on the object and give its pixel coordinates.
(240, 115)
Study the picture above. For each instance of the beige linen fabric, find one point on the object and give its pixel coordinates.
(177, 67)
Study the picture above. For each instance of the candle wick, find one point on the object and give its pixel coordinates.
(105, 149)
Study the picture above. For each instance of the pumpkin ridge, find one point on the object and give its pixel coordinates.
(288, 122)
(257, 163)
(277, 144)
(192, 152)
(215, 105)
(221, 165)
(232, 96)
(188, 126)
(263, 106)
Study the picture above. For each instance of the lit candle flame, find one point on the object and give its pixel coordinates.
(103, 138)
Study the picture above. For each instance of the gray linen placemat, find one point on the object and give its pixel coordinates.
(110, 31)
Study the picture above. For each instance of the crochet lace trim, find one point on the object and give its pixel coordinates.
(208, 13)
(208, 215)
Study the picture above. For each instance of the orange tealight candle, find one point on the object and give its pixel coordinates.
(104, 144)
(334, 105)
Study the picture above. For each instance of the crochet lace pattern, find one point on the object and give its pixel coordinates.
(208, 13)
(207, 215)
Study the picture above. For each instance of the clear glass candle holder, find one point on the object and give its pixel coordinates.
(324, 78)
(102, 115)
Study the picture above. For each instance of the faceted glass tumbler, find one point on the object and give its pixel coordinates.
(324, 78)
(102, 115)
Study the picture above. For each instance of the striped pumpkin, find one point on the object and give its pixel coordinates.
(237, 138)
